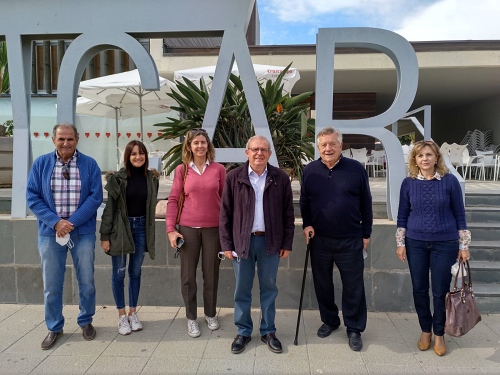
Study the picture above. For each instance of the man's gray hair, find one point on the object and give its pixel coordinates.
(258, 137)
(329, 130)
(64, 125)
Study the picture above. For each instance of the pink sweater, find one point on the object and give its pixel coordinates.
(203, 195)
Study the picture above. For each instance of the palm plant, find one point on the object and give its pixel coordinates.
(292, 133)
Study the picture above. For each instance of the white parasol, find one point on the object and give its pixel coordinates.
(262, 72)
(123, 91)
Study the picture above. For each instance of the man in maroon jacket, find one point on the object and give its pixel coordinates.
(256, 226)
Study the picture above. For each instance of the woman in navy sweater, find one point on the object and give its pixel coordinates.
(432, 233)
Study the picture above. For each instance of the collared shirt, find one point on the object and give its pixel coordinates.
(195, 168)
(66, 193)
(341, 156)
(436, 176)
(258, 184)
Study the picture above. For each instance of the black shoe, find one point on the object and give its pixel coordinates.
(272, 342)
(239, 343)
(325, 330)
(50, 340)
(355, 342)
(88, 332)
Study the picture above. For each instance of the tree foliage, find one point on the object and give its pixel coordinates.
(4, 74)
(291, 131)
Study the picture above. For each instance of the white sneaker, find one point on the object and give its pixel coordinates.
(213, 323)
(135, 323)
(193, 329)
(124, 325)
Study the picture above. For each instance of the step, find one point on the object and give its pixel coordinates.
(478, 199)
(488, 305)
(485, 272)
(487, 297)
(485, 250)
(485, 290)
(484, 231)
(482, 214)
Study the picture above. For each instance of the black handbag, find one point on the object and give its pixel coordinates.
(462, 313)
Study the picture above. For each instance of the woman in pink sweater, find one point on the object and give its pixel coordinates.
(198, 224)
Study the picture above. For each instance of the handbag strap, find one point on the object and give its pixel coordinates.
(180, 202)
(461, 268)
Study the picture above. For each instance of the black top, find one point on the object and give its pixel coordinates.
(137, 192)
(336, 202)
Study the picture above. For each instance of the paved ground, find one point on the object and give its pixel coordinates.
(164, 347)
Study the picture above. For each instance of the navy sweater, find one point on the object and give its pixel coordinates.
(337, 202)
(431, 210)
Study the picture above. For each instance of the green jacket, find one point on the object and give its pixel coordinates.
(115, 226)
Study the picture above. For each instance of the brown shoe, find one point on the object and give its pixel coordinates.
(50, 340)
(422, 345)
(440, 350)
(88, 332)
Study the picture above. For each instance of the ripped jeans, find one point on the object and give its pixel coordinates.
(138, 227)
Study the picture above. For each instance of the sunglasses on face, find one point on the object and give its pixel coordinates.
(65, 171)
(197, 131)
(426, 143)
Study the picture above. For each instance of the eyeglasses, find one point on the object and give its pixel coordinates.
(257, 149)
(65, 171)
(197, 130)
(424, 143)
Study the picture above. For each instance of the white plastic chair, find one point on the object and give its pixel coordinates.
(460, 158)
(488, 160)
(457, 157)
(347, 153)
(359, 154)
(375, 160)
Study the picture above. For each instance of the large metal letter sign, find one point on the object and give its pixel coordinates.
(234, 45)
(96, 25)
(405, 61)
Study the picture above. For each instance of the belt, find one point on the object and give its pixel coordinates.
(258, 233)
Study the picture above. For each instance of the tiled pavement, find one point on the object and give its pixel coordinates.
(163, 347)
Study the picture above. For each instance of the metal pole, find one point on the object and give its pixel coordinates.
(117, 144)
(140, 109)
(295, 342)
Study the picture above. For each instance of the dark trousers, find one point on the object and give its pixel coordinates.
(438, 257)
(347, 254)
(205, 241)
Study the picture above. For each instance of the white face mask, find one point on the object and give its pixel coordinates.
(66, 240)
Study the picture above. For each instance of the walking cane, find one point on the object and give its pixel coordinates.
(295, 342)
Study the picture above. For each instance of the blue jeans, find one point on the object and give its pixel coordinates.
(438, 256)
(244, 270)
(138, 227)
(53, 259)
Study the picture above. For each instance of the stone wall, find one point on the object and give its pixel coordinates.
(387, 281)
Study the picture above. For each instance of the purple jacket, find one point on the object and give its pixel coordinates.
(237, 211)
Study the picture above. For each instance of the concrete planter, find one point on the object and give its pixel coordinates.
(6, 151)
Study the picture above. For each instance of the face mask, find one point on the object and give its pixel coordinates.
(66, 240)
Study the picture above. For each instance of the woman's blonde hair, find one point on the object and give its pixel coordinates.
(417, 148)
(187, 154)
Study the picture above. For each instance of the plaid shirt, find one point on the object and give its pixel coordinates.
(66, 193)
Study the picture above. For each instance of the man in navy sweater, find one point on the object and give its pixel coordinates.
(336, 207)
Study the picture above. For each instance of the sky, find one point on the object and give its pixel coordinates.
(297, 21)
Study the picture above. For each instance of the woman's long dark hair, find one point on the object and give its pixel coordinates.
(128, 152)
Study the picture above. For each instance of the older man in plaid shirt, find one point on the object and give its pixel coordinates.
(64, 192)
